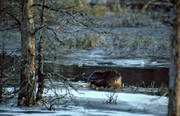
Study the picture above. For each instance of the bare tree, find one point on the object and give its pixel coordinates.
(174, 84)
(27, 94)
(2, 58)
(40, 59)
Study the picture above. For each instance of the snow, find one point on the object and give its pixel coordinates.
(91, 102)
(97, 60)
(88, 102)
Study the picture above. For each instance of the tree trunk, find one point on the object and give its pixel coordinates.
(2, 59)
(40, 61)
(27, 93)
(40, 71)
(174, 83)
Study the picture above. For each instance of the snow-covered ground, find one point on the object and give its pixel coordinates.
(89, 102)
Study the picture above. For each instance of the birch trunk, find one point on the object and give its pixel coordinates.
(27, 93)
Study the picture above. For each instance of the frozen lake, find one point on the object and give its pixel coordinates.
(99, 57)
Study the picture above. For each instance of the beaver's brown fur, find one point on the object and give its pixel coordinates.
(106, 79)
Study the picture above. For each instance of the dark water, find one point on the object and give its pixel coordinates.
(138, 76)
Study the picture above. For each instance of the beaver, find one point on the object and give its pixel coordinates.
(106, 79)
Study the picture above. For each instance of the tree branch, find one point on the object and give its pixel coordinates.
(12, 16)
(39, 28)
(55, 34)
(53, 9)
(15, 26)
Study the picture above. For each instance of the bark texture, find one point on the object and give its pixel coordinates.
(174, 84)
(40, 71)
(27, 93)
(40, 60)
